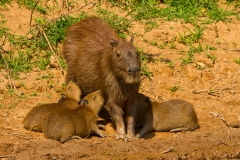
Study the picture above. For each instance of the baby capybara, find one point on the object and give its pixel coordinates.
(69, 99)
(65, 124)
(98, 59)
(173, 115)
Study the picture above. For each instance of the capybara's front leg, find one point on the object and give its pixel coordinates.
(117, 114)
(131, 116)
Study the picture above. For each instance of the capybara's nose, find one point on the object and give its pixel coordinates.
(133, 70)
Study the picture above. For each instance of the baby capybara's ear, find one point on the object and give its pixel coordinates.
(62, 97)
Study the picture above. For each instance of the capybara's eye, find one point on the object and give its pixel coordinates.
(118, 54)
(94, 97)
(147, 100)
(69, 88)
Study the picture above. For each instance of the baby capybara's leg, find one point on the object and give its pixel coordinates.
(144, 130)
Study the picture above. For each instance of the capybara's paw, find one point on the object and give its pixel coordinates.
(121, 136)
(132, 137)
(101, 126)
(137, 135)
(103, 135)
(76, 137)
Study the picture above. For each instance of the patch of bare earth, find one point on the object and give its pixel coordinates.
(214, 91)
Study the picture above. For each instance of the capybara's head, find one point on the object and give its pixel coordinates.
(126, 63)
(71, 91)
(143, 101)
(94, 100)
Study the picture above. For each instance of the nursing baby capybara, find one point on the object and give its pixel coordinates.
(173, 115)
(69, 99)
(98, 59)
(65, 124)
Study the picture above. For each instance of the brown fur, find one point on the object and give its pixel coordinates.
(98, 59)
(69, 99)
(173, 115)
(64, 124)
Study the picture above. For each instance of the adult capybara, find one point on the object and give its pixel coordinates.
(173, 115)
(98, 59)
(69, 99)
(65, 124)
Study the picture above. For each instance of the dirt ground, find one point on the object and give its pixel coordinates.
(214, 92)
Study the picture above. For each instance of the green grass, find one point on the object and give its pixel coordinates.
(3, 4)
(193, 37)
(237, 61)
(144, 69)
(189, 58)
(212, 57)
(35, 52)
(120, 24)
(150, 24)
(28, 53)
(190, 11)
(174, 88)
(170, 64)
(32, 4)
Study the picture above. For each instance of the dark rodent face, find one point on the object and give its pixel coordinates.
(143, 100)
(126, 62)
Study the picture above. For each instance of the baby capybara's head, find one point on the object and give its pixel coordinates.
(71, 91)
(94, 100)
(143, 101)
(126, 63)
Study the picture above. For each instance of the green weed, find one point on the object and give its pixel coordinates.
(212, 57)
(120, 24)
(149, 25)
(189, 11)
(174, 88)
(237, 61)
(48, 95)
(1, 106)
(193, 37)
(189, 58)
(170, 64)
(33, 4)
(154, 43)
(3, 4)
(144, 69)
(162, 45)
(172, 46)
(34, 94)
(34, 51)
(211, 47)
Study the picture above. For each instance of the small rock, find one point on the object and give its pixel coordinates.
(29, 36)
(17, 84)
(53, 62)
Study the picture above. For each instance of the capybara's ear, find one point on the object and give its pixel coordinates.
(114, 43)
(63, 96)
(132, 39)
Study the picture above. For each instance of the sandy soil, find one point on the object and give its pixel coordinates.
(214, 92)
